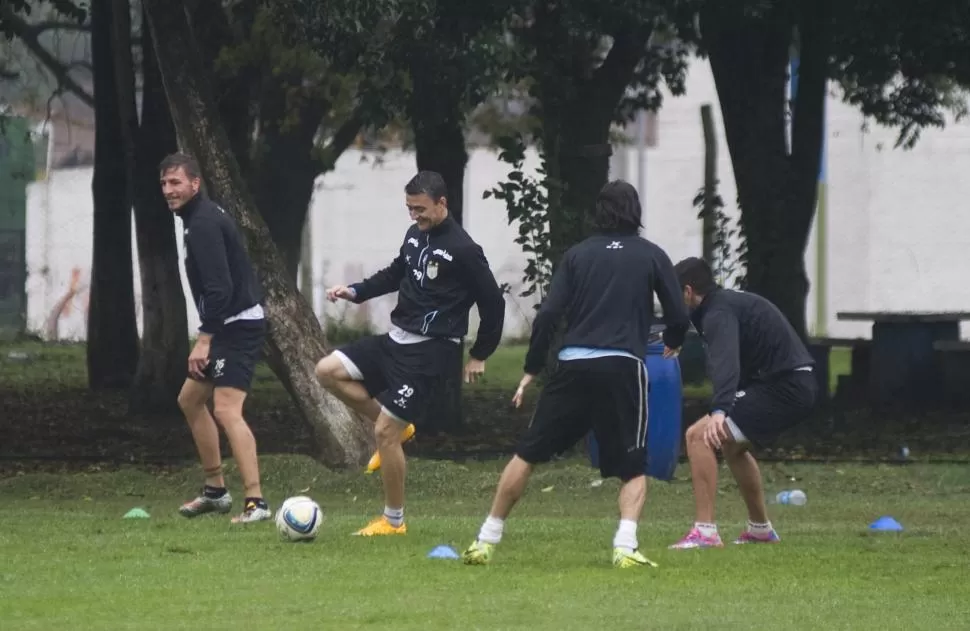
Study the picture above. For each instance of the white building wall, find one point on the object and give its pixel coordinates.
(897, 230)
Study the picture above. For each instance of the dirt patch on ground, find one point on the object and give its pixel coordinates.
(74, 427)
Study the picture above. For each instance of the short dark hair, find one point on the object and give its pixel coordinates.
(183, 160)
(428, 183)
(697, 274)
(618, 209)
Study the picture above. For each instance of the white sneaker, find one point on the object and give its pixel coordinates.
(202, 505)
(253, 513)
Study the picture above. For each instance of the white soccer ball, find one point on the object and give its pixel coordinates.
(298, 519)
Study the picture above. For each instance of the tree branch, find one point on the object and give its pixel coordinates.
(39, 28)
(809, 107)
(612, 77)
(80, 63)
(341, 139)
(23, 30)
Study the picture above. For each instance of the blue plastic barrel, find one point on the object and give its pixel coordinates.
(664, 409)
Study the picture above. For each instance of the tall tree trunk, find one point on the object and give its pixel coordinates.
(284, 167)
(578, 137)
(777, 188)
(165, 346)
(437, 117)
(296, 341)
(233, 92)
(279, 164)
(578, 107)
(112, 349)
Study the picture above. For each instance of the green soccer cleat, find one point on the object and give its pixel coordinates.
(624, 559)
(478, 553)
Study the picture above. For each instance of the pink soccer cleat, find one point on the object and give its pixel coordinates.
(749, 537)
(695, 539)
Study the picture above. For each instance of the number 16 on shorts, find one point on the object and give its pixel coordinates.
(404, 394)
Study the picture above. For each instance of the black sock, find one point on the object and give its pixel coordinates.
(214, 492)
(258, 501)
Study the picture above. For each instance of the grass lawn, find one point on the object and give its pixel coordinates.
(70, 561)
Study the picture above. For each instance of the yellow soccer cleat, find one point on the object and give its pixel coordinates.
(380, 526)
(624, 559)
(478, 553)
(375, 461)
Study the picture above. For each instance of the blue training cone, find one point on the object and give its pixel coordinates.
(443, 552)
(886, 523)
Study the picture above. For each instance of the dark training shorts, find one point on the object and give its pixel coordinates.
(764, 410)
(402, 377)
(605, 394)
(233, 354)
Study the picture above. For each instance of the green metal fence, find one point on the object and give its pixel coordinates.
(16, 171)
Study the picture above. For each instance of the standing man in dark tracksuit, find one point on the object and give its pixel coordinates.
(439, 273)
(605, 287)
(763, 382)
(230, 340)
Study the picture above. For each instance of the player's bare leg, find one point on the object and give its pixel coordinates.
(333, 375)
(228, 408)
(511, 486)
(387, 431)
(633, 495)
(703, 470)
(745, 470)
(192, 401)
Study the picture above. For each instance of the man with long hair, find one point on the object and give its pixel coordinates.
(604, 287)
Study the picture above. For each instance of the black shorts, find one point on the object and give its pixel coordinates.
(402, 377)
(607, 395)
(764, 410)
(233, 354)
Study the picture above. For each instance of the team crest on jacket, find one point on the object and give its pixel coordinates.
(432, 270)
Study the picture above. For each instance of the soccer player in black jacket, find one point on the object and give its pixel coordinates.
(439, 273)
(604, 287)
(763, 382)
(228, 296)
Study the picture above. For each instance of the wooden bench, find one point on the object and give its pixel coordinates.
(904, 366)
(949, 346)
(853, 383)
(953, 359)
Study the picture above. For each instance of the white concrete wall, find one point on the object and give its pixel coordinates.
(897, 229)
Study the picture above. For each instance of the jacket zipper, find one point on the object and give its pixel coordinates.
(423, 259)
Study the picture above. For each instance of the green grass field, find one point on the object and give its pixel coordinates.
(70, 561)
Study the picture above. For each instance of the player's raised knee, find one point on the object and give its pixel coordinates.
(330, 370)
(695, 433)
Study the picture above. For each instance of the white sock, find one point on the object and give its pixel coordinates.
(626, 535)
(394, 516)
(760, 530)
(707, 530)
(491, 531)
